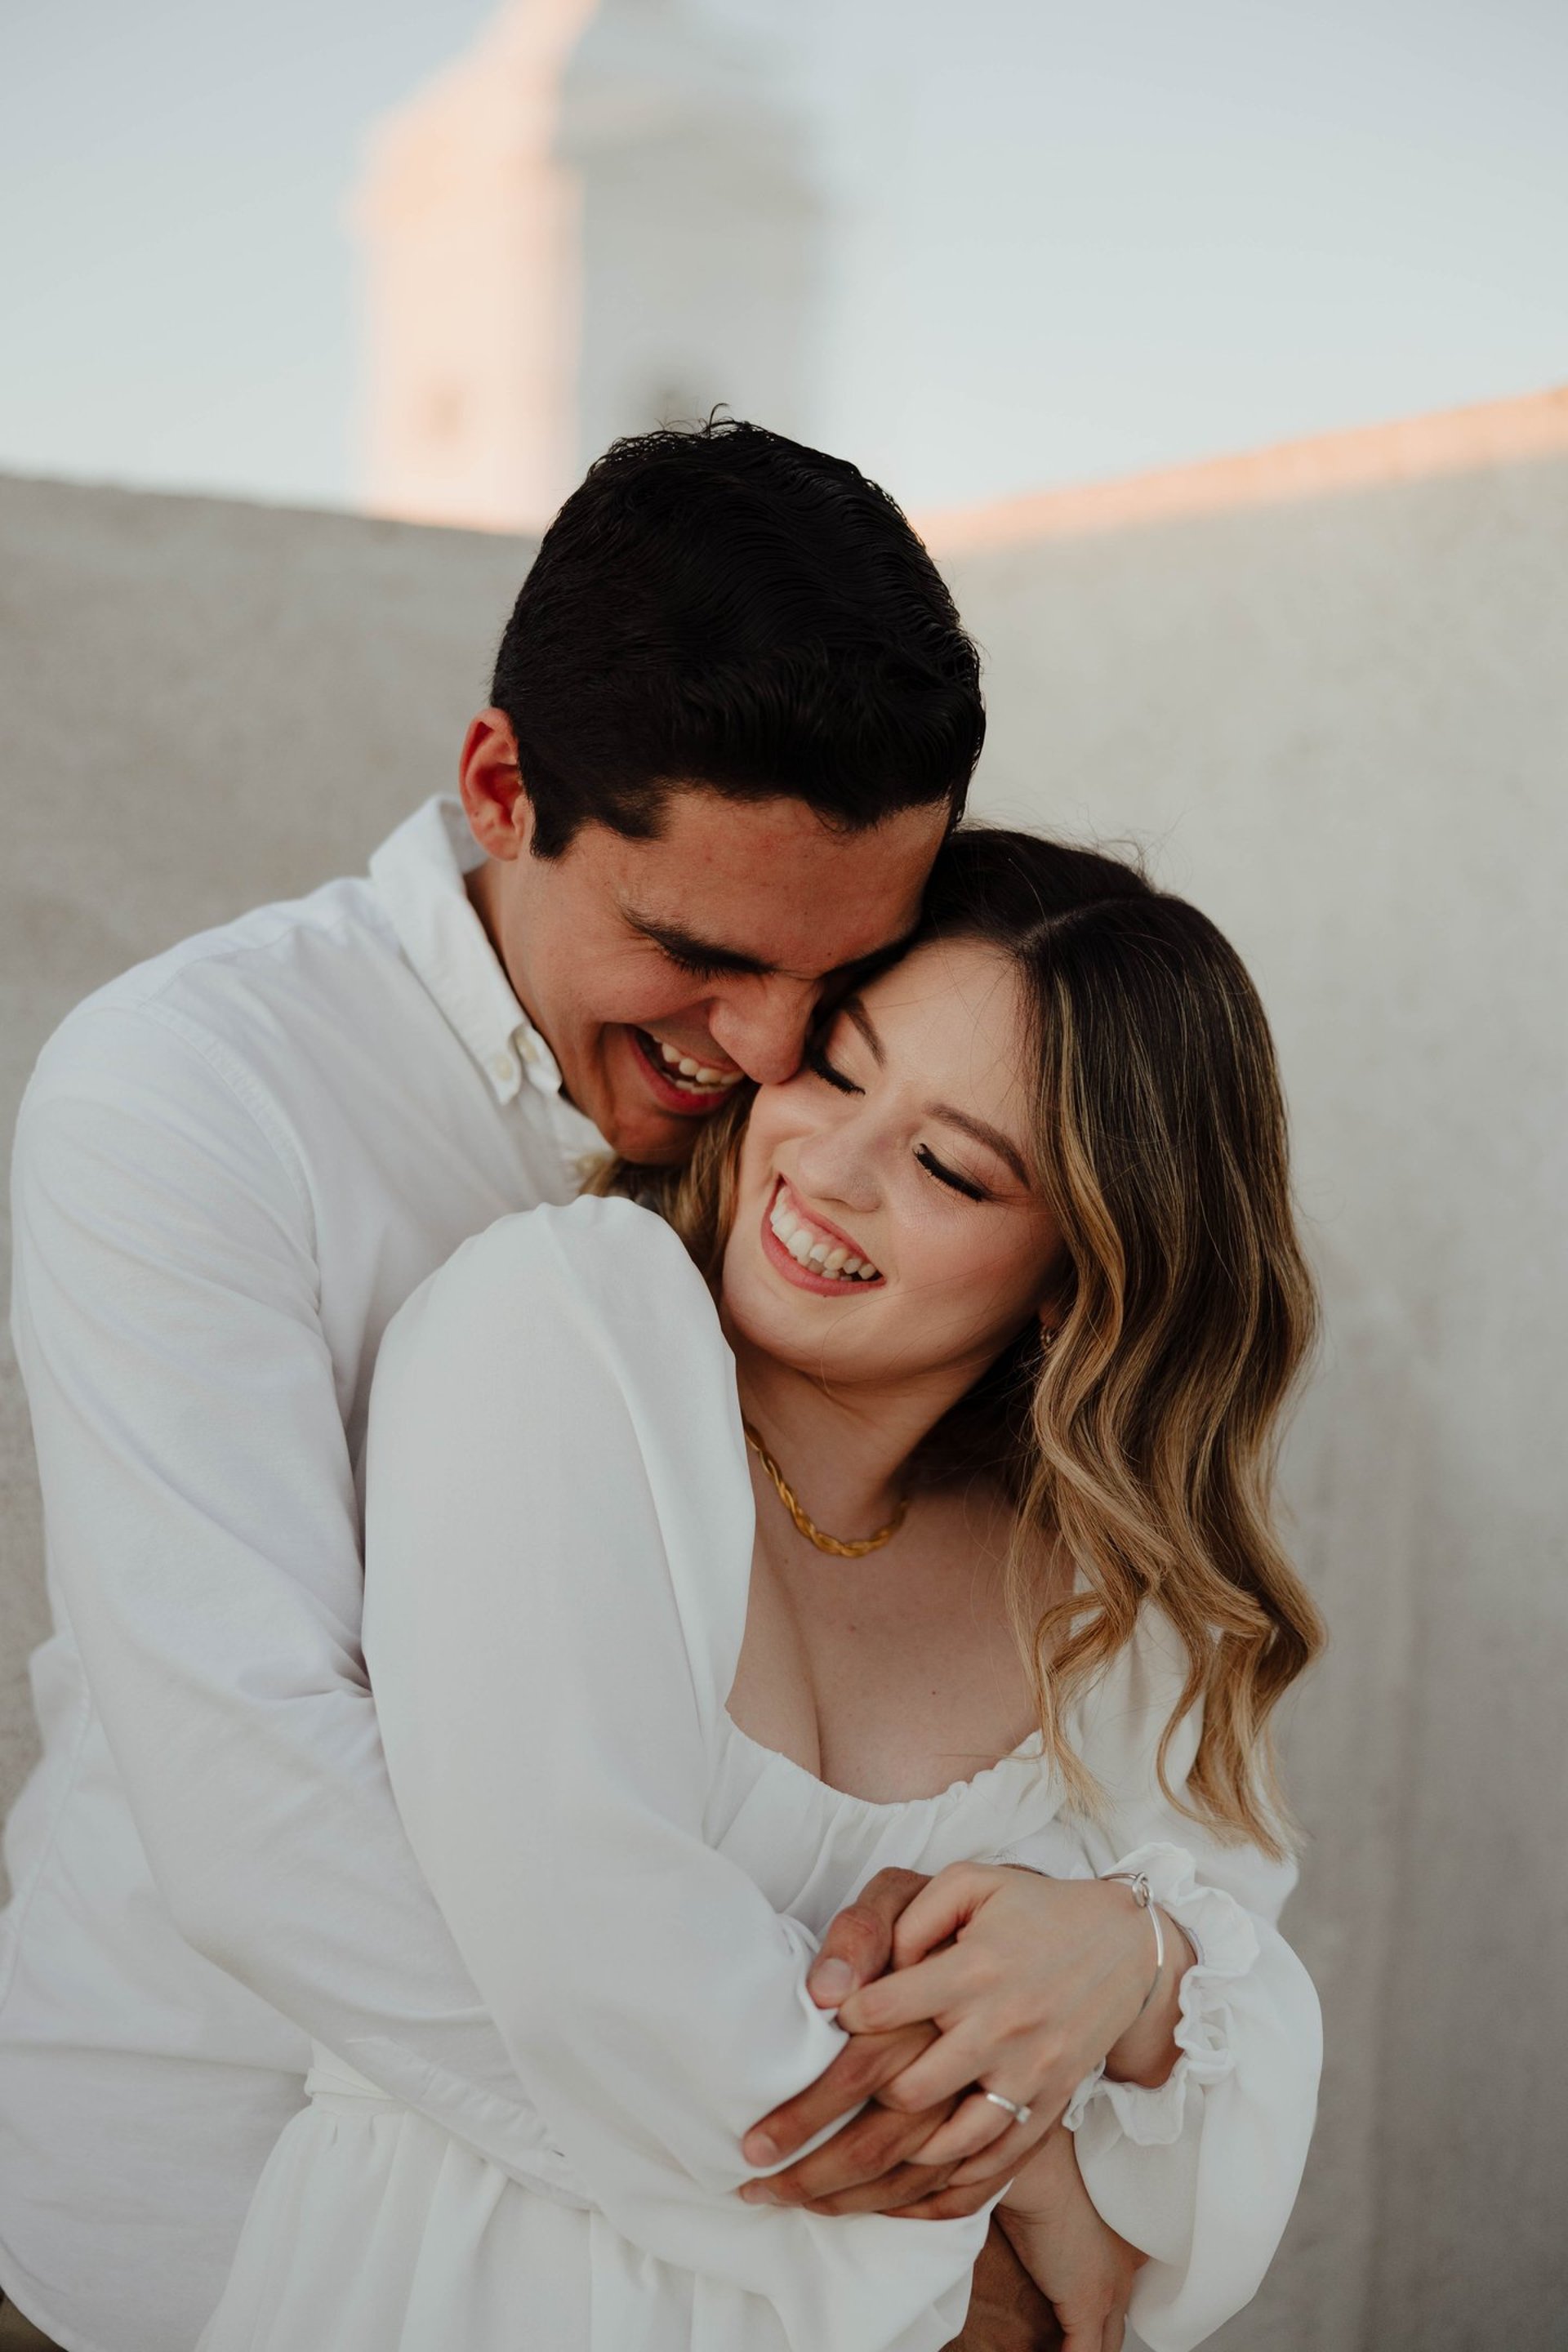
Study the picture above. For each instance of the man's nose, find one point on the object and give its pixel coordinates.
(766, 1030)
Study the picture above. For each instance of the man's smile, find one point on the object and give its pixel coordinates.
(677, 1080)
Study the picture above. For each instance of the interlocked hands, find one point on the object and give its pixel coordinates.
(999, 1978)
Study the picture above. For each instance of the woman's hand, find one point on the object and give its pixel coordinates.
(1031, 1982)
(1081, 2267)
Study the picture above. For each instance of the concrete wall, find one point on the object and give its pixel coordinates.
(1327, 691)
(202, 706)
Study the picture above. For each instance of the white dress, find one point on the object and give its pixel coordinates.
(559, 1531)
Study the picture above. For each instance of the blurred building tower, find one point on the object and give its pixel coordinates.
(468, 229)
(600, 218)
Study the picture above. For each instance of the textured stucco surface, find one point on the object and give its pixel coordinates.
(1341, 725)
(203, 706)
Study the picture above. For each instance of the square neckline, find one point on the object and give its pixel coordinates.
(1029, 1750)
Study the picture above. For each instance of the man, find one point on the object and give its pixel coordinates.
(732, 717)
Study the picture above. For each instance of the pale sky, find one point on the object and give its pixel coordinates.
(1078, 240)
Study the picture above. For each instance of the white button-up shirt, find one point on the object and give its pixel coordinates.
(232, 1167)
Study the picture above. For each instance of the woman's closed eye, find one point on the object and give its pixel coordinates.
(816, 1061)
(949, 1176)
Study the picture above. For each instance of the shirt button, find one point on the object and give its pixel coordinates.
(527, 1047)
(502, 1067)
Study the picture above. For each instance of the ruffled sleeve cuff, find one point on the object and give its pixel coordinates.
(1225, 1942)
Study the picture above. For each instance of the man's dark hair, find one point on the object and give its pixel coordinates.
(721, 607)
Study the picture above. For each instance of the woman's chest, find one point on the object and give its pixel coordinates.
(890, 1677)
(811, 1848)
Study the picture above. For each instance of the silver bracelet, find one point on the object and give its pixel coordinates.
(1143, 1895)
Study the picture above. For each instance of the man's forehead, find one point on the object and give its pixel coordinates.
(770, 884)
(696, 822)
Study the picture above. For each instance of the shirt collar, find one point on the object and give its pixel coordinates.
(419, 874)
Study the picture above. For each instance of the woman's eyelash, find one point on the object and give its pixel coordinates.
(949, 1176)
(818, 1063)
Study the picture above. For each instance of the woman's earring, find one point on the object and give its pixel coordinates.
(1047, 1337)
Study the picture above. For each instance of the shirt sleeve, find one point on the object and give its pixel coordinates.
(1202, 2173)
(559, 1529)
(204, 1545)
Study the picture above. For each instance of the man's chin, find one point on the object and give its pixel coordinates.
(650, 1138)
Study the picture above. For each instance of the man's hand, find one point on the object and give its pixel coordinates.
(863, 2155)
(869, 2165)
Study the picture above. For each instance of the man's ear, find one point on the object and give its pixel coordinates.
(499, 812)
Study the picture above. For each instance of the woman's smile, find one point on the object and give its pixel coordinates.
(809, 1250)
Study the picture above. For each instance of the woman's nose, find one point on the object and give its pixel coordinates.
(835, 1163)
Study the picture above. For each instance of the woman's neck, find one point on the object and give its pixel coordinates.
(843, 1451)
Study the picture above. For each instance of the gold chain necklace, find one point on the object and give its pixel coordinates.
(856, 1547)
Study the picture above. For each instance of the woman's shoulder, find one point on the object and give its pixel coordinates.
(540, 1280)
(591, 1239)
(1122, 1716)
(613, 1251)
(1122, 1721)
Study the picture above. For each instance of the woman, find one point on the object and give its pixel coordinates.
(945, 1542)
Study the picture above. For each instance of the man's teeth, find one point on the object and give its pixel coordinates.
(808, 1247)
(694, 1077)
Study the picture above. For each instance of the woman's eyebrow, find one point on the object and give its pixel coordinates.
(853, 1010)
(983, 1132)
(979, 1129)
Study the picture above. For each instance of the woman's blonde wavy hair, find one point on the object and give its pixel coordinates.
(1143, 1438)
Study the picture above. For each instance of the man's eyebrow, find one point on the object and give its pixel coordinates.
(687, 948)
(983, 1132)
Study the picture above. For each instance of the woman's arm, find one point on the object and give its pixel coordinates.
(1075, 2261)
(558, 1551)
(1196, 2163)
(1201, 2171)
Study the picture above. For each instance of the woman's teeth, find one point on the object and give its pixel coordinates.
(822, 1255)
(694, 1077)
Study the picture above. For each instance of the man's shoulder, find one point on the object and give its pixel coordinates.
(232, 991)
(341, 924)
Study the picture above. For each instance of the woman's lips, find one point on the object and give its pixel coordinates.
(806, 1276)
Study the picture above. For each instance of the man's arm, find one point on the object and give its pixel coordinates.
(203, 1534)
